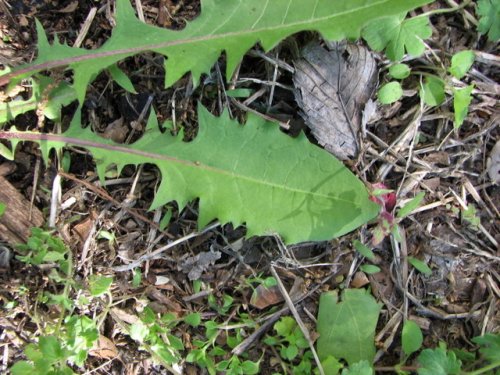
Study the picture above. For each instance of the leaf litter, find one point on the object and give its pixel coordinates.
(333, 87)
(456, 303)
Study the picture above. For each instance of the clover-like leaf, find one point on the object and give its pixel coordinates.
(490, 346)
(398, 35)
(432, 91)
(390, 92)
(411, 337)
(489, 21)
(399, 71)
(438, 361)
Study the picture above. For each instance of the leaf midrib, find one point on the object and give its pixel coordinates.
(118, 52)
(38, 137)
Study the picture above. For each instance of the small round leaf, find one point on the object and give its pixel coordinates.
(432, 91)
(461, 62)
(390, 92)
(411, 337)
(399, 71)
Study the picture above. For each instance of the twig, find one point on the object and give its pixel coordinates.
(240, 105)
(85, 28)
(55, 200)
(245, 344)
(296, 315)
(156, 254)
(103, 194)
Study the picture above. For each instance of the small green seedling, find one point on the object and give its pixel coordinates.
(489, 21)
(390, 93)
(420, 266)
(292, 345)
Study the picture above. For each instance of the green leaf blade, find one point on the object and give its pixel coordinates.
(99, 285)
(390, 93)
(438, 362)
(399, 71)
(398, 35)
(489, 22)
(420, 266)
(411, 205)
(461, 62)
(411, 337)
(252, 174)
(461, 101)
(432, 91)
(490, 346)
(230, 26)
(347, 328)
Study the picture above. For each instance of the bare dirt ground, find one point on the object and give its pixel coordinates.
(458, 301)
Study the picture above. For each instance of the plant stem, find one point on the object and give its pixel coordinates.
(66, 291)
(394, 368)
(484, 369)
(447, 10)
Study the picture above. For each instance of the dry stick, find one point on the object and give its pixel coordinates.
(103, 194)
(432, 312)
(283, 125)
(480, 226)
(282, 64)
(221, 83)
(85, 28)
(90, 236)
(489, 314)
(243, 346)
(140, 12)
(36, 175)
(296, 315)
(55, 200)
(156, 254)
(417, 121)
(273, 86)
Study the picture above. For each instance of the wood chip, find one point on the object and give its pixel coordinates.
(19, 216)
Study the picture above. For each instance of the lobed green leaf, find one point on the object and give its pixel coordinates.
(251, 174)
(398, 35)
(489, 22)
(232, 26)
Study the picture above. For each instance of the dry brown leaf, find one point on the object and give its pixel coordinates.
(493, 164)
(83, 228)
(263, 297)
(116, 131)
(70, 8)
(104, 348)
(333, 87)
(359, 280)
(125, 316)
(194, 266)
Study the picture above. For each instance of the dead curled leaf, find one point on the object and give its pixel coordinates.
(493, 164)
(263, 296)
(104, 348)
(196, 265)
(333, 87)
